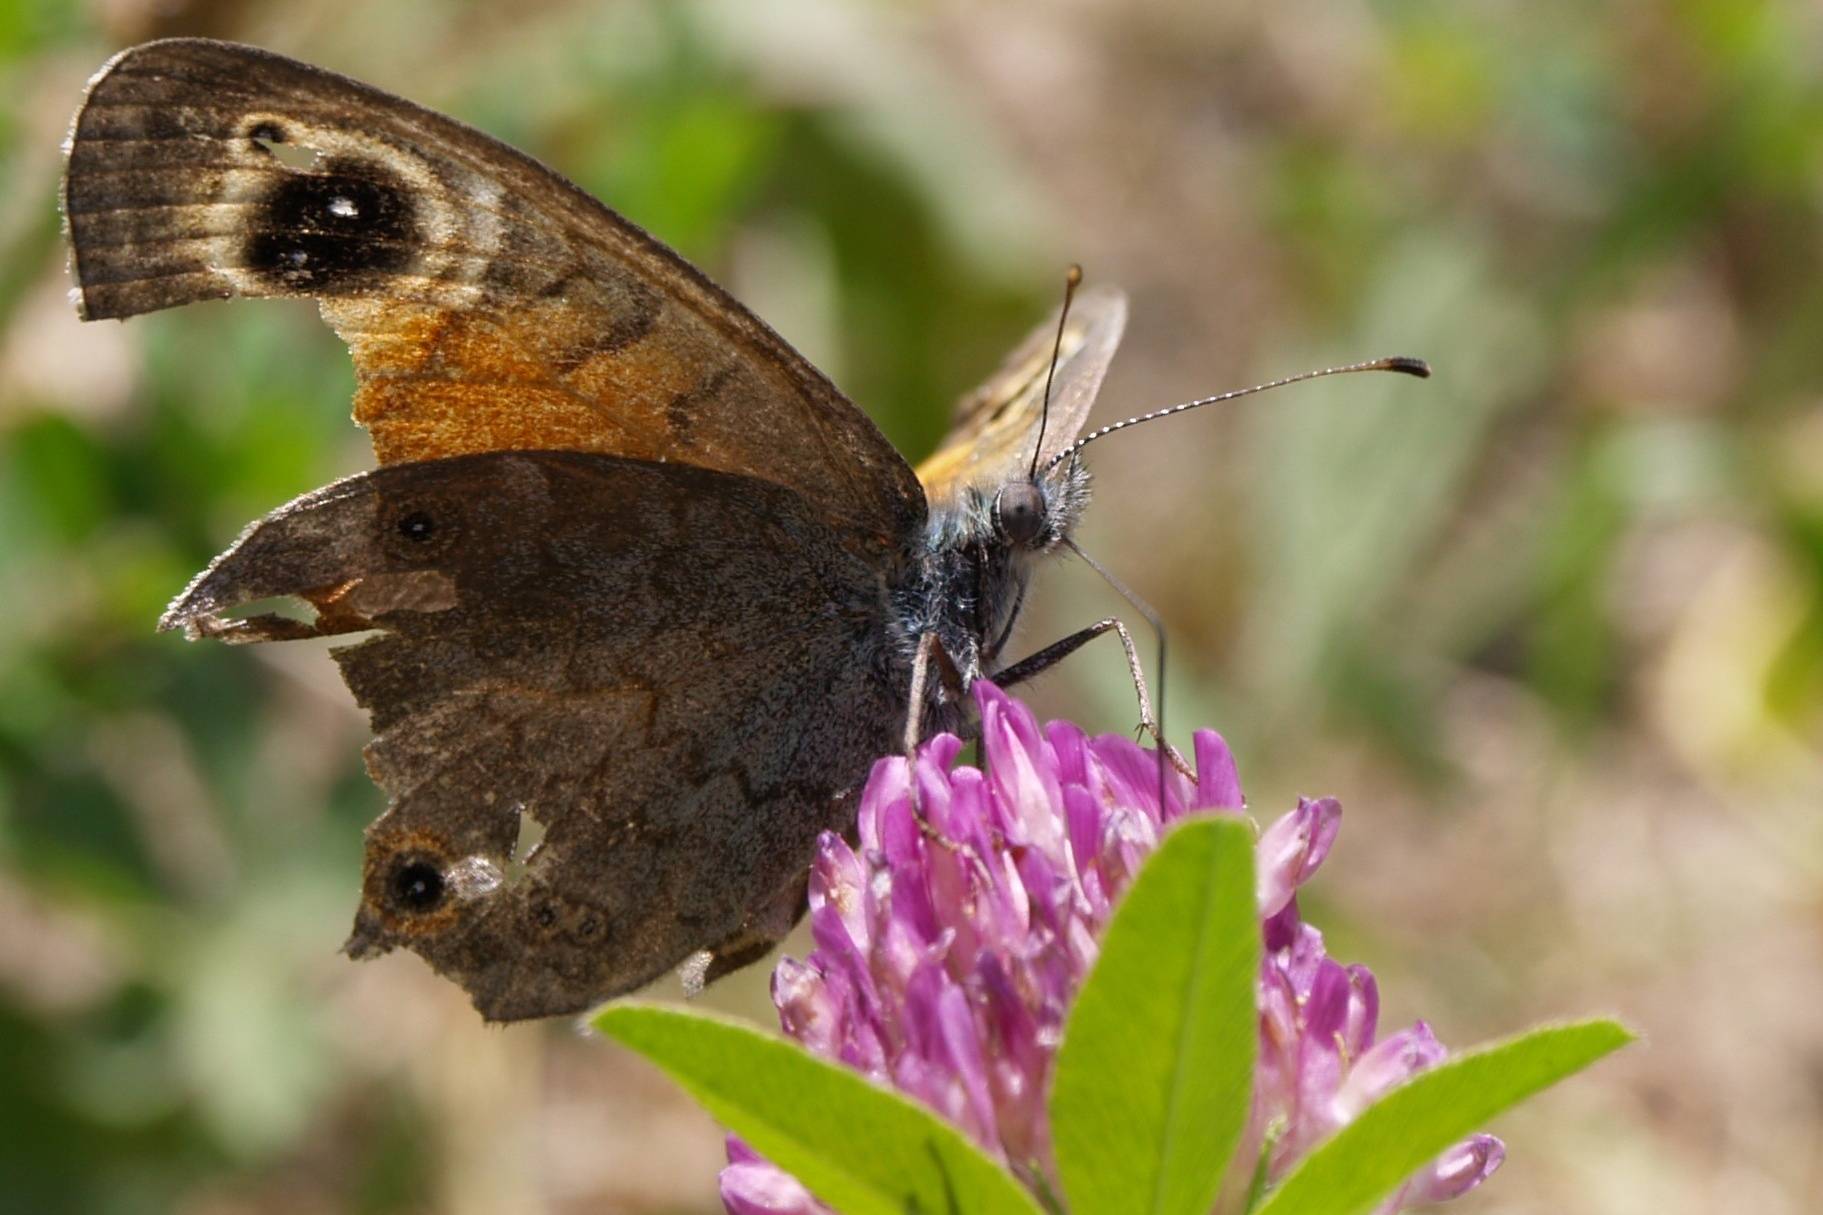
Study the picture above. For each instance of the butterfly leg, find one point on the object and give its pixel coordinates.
(914, 706)
(1057, 651)
(930, 652)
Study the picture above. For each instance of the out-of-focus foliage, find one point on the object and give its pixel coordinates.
(1550, 624)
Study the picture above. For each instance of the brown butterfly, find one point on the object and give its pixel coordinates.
(642, 592)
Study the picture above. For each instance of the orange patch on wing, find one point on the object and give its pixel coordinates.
(428, 420)
(435, 383)
(643, 380)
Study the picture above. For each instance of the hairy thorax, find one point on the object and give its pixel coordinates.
(967, 584)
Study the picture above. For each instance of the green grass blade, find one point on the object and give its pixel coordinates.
(1153, 1078)
(858, 1147)
(1411, 1126)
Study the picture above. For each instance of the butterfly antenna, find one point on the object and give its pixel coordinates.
(1403, 364)
(1158, 630)
(1072, 279)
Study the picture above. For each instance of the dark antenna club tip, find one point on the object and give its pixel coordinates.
(1409, 365)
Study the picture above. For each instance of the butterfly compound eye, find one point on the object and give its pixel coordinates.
(1019, 514)
(417, 886)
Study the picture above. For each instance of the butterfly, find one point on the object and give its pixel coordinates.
(635, 595)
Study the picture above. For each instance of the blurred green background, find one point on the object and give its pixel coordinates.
(1551, 624)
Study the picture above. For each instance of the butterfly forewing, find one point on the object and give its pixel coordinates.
(488, 303)
(996, 425)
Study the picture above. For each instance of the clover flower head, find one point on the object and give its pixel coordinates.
(952, 936)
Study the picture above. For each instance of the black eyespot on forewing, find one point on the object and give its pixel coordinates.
(416, 886)
(335, 229)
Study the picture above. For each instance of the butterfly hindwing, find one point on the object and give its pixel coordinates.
(667, 672)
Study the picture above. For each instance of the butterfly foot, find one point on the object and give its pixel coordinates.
(1147, 729)
(1177, 760)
